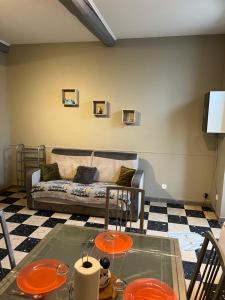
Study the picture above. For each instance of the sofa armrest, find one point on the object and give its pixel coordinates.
(138, 179)
(32, 177)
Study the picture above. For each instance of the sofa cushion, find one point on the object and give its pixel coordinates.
(50, 172)
(85, 175)
(109, 164)
(125, 177)
(92, 194)
(68, 164)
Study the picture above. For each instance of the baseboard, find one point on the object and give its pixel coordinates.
(176, 201)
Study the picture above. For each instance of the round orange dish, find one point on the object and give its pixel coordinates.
(41, 277)
(148, 289)
(113, 242)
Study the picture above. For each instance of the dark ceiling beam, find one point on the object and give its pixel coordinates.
(4, 47)
(89, 18)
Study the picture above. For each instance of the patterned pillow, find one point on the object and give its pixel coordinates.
(125, 177)
(85, 175)
(50, 172)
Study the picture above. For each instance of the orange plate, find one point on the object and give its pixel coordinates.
(40, 277)
(148, 289)
(113, 242)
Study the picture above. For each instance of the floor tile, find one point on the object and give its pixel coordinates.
(3, 206)
(193, 207)
(158, 203)
(158, 209)
(197, 221)
(175, 205)
(189, 268)
(96, 220)
(173, 227)
(52, 222)
(24, 230)
(176, 211)
(79, 217)
(146, 208)
(27, 245)
(157, 233)
(214, 224)
(216, 232)
(189, 256)
(6, 193)
(2, 198)
(44, 213)
(22, 202)
(3, 253)
(18, 218)
(194, 213)
(210, 215)
(75, 222)
(207, 208)
(199, 229)
(88, 224)
(27, 211)
(158, 217)
(18, 195)
(177, 219)
(36, 220)
(13, 208)
(9, 200)
(61, 216)
(157, 226)
(40, 232)
(10, 226)
(14, 239)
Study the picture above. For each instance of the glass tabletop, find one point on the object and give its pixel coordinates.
(150, 257)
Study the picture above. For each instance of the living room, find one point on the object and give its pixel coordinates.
(166, 58)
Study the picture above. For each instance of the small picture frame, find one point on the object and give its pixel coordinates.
(100, 108)
(70, 97)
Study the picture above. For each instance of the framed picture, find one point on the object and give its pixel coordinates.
(70, 97)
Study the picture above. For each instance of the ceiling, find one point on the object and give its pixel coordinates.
(48, 21)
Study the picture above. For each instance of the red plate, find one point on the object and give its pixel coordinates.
(41, 276)
(113, 242)
(148, 289)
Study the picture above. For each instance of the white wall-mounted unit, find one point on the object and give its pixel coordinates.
(214, 112)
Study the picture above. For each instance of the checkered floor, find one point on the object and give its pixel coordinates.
(28, 227)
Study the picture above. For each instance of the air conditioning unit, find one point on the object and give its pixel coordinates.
(214, 112)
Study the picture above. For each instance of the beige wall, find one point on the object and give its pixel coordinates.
(165, 79)
(220, 203)
(4, 124)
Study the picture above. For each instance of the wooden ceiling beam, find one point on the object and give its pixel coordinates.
(84, 11)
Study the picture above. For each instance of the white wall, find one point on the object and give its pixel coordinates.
(4, 124)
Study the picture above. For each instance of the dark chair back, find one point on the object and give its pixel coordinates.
(118, 206)
(8, 244)
(211, 269)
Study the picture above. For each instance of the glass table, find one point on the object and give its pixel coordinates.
(150, 256)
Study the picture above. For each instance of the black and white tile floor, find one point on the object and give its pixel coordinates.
(27, 227)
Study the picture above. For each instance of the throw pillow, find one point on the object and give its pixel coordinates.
(85, 175)
(50, 172)
(125, 177)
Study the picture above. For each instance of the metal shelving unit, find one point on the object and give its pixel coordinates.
(28, 158)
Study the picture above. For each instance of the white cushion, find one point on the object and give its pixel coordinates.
(68, 164)
(109, 169)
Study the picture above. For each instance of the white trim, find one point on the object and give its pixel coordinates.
(95, 8)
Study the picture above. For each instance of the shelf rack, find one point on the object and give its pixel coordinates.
(28, 158)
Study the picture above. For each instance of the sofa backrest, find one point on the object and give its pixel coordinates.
(109, 164)
(69, 159)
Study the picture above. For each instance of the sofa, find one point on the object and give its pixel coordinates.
(66, 196)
